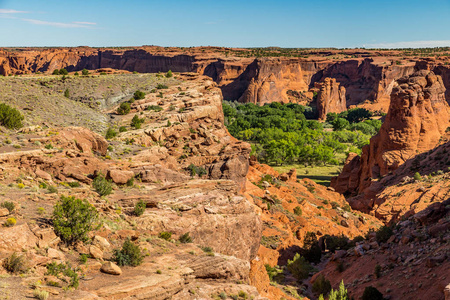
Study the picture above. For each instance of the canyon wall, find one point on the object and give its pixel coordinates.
(368, 81)
(330, 98)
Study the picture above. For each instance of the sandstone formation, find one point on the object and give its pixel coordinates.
(367, 76)
(330, 98)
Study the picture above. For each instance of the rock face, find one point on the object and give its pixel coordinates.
(418, 117)
(330, 98)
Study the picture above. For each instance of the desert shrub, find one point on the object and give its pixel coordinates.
(65, 272)
(10, 222)
(313, 253)
(321, 285)
(139, 208)
(110, 133)
(124, 108)
(102, 185)
(15, 264)
(275, 273)
(122, 129)
(55, 72)
(129, 255)
(334, 243)
(10, 117)
(138, 95)
(40, 294)
(340, 294)
(73, 218)
(154, 107)
(299, 267)
(74, 184)
(169, 74)
(67, 93)
(63, 72)
(136, 122)
(165, 235)
(185, 238)
(51, 189)
(417, 176)
(8, 205)
(130, 182)
(383, 234)
(371, 293)
(84, 72)
(340, 267)
(194, 170)
(83, 258)
(76, 74)
(298, 210)
(161, 86)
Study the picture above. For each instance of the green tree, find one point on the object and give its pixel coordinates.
(63, 72)
(138, 95)
(84, 72)
(10, 117)
(124, 108)
(129, 255)
(102, 185)
(169, 74)
(340, 294)
(73, 218)
(67, 93)
(136, 122)
(340, 124)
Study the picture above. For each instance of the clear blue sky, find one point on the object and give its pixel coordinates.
(243, 23)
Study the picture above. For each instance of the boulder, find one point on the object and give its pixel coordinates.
(119, 176)
(17, 238)
(111, 268)
(4, 212)
(95, 252)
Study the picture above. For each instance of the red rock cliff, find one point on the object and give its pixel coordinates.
(331, 98)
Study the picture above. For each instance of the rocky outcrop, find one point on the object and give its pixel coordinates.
(418, 117)
(330, 98)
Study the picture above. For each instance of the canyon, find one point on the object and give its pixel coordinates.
(195, 178)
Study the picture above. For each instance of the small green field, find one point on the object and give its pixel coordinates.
(320, 174)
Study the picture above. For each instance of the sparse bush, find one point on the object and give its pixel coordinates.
(321, 285)
(64, 272)
(194, 170)
(340, 294)
(122, 129)
(8, 205)
(165, 235)
(383, 234)
(102, 185)
(63, 72)
(138, 95)
(124, 108)
(129, 255)
(74, 184)
(299, 267)
(110, 133)
(130, 182)
(417, 176)
(334, 243)
(161, 86)
(298, 211)
(275, 273)
(83, 258)
(156, 108)
(185, 238)
(67, 93)
(15, 264)
(84, 72)
(55, 72)
(40, 294)
(10, 117)
(10, 222)
(139, 208)
(169, 74)
(371, 293)
(136, 122)
(340, 267)
(41, 210)
(73, 219)
(51, 189)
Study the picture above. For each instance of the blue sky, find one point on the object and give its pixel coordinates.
(244, 23)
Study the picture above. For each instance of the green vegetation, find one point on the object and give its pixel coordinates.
(156, 108)
(102, 185)
(41, 294)
(165, 235)
(282, 134)
(195, 170)
(313, 253)
(139, 208)
(15, 264)
(136, 122)
(129, 255)
(10, 117)
(321, 285)
(383, 234)
(64, 272)
(10, 222)
(299, 267)
(110, 133)
(185, 238)
(124, 108)
(275, 273)
(417, 176)
(73, 218)
(10, 206)
(138, 95)
(169, 74)
(340, 294)
(84, 72)
(67, 93)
